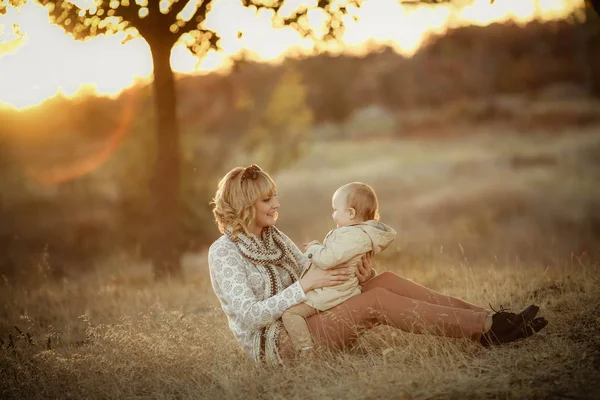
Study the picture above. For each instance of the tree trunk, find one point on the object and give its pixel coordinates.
(165, 230)
(592, 52)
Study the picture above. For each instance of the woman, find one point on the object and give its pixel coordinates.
(256, 272)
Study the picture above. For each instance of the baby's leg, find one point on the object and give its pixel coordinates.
(407, 288)
(295, 324)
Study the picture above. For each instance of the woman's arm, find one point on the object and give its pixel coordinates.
(318, 278)
(230, 282)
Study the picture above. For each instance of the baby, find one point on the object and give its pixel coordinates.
(355, 211)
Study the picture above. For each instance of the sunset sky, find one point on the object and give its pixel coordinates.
(43, 61)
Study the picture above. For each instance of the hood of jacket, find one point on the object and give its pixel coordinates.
(381, 235)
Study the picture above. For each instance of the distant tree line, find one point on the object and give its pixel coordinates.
(79, 218)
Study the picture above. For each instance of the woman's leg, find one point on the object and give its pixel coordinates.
(340, 326)
(407, 288)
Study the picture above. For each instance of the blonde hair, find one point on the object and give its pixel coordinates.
(235, 197)
(363, 199)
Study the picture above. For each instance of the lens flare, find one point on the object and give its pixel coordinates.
(74, 169)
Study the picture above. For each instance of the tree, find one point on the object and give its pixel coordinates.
(329, 75)
(162, 23)
(284, 124)
(590, 44)
(4, 4)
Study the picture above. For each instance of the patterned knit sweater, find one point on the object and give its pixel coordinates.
(242, 288)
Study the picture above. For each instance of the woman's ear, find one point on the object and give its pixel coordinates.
(352, 212)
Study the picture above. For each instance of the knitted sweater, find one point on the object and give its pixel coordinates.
(242, 288)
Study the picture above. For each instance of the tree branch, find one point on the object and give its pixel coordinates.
(198, 17)
(66, 15)
(11, 4)
(419, 2)
(274, 5)
(204, 39)
(178, 6)
(130, 13)
(334, 26)
(153, 6)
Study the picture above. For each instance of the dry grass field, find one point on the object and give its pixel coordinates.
(494, 218)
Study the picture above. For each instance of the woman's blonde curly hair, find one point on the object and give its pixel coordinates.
(236, 194)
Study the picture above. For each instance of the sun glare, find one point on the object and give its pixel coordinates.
(39, 60)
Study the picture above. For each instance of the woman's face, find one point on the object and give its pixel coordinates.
(265, 209)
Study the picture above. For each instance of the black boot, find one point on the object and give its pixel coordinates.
(507, 326)
(532, 328)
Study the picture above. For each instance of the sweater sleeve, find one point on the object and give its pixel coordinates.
(229, 279)
(340, 246)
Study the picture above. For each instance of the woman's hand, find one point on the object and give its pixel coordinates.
(364, 268)
(318, 278)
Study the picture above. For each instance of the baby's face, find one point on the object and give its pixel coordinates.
(341, 212)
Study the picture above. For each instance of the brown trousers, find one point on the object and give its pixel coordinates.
(392, 300)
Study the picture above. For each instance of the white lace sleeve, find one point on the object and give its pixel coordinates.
(301, 259)
(229, 276)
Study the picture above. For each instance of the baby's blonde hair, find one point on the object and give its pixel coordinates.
(236, 194)
(363, 199)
